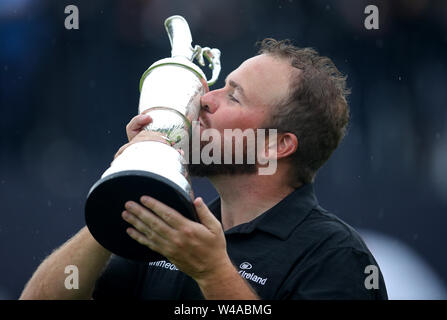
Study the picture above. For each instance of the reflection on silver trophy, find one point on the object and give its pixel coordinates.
(170, 92)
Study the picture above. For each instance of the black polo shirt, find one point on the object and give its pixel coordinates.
(295, 250)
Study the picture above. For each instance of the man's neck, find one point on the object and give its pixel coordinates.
(245, 197)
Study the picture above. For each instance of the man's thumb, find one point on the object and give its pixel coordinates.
(206, 217)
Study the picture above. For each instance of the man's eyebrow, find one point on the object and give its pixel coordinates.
(236, 86)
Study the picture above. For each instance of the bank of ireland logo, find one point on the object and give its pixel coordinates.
(245, 266)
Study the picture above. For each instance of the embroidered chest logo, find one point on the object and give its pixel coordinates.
(245, 266)
(250, 275)
(163, 264)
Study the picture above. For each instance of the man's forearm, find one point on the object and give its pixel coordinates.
(82, 251)
(227, 285)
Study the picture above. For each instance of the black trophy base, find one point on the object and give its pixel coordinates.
(105, 204)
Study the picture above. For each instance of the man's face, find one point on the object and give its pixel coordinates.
(245, 102)
(249, 93)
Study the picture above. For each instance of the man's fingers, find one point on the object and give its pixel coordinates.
(137, 124)
(142, 239)
(146, 221)
(146, 135)
(121, 150)
(167, 214)
(137, 223)
(143, 136)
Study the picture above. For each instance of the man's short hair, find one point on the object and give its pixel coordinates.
(316, 110)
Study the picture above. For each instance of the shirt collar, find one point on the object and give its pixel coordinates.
(282, 218)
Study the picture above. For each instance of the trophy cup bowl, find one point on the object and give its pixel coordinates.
(170, 91)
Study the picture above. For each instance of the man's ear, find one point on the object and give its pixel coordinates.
(279, 145)
(287, 145)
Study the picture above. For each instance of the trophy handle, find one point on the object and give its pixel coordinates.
(213, 57)
(181, 39)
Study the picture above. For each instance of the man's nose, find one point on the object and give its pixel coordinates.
(208, 102)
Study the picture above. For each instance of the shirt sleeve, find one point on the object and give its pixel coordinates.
(120, 280)
(337, 274)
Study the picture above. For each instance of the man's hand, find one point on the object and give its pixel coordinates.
(136, 133)
(197, 249)
(136, 124)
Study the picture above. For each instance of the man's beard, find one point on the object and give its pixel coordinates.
(214, 169)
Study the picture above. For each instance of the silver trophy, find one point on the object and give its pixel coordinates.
(170, 91)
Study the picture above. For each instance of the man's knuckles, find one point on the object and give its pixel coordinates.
(146, 135)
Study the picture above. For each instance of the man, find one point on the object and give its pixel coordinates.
(266, 236)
